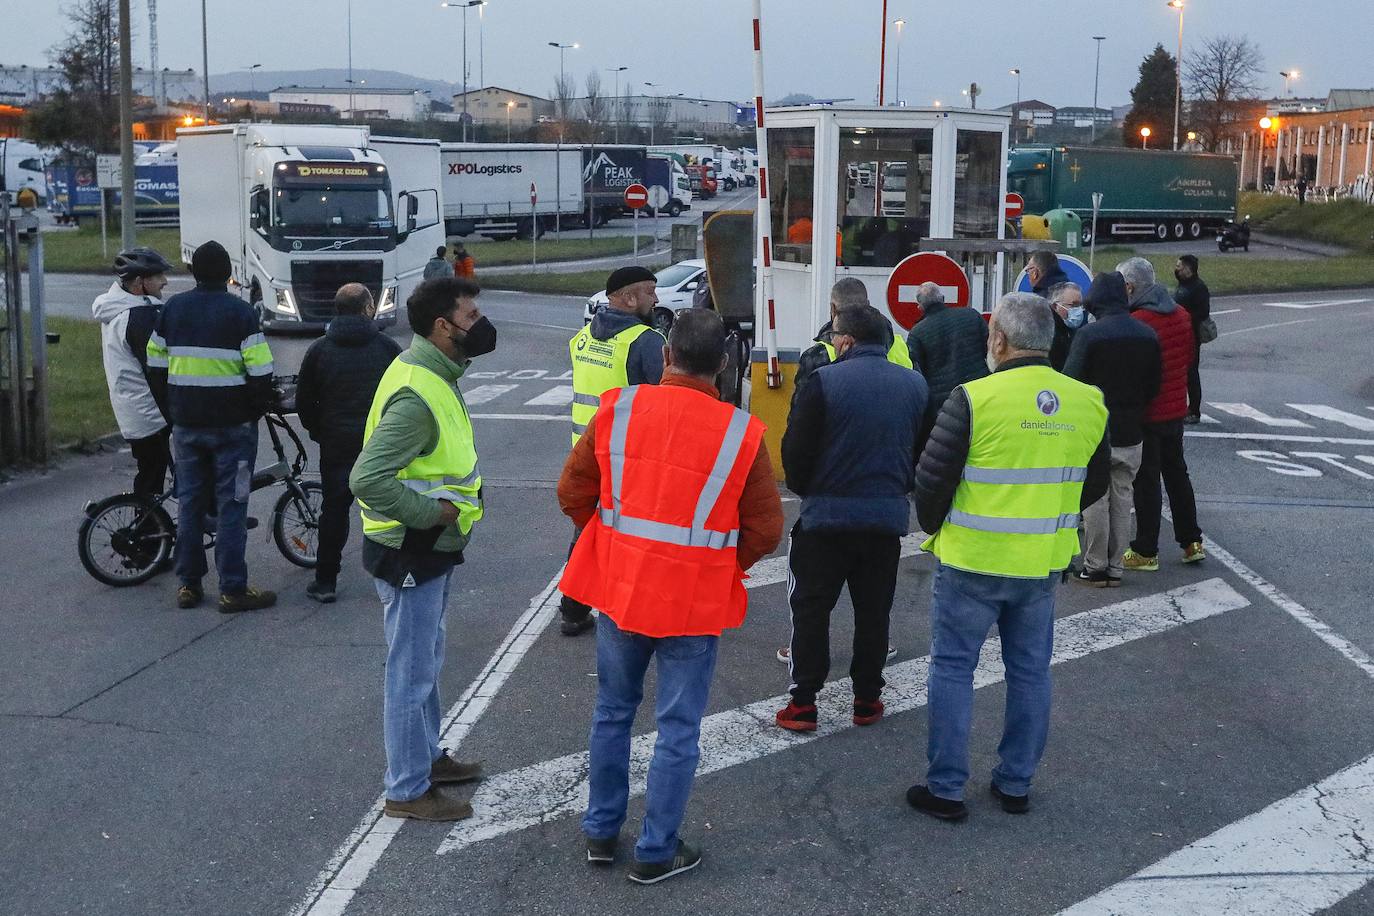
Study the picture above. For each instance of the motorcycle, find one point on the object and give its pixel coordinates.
(1234, 235)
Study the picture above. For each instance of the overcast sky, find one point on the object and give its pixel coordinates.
(703, 47)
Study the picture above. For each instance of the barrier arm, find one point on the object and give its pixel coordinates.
(762, 218)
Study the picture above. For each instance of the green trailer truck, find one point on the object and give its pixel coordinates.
(1146, 194)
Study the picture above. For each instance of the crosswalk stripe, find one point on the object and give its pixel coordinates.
(1301, 854)
(774, 569)
(559, 396)
(484, 393)
(1315, 305)
(1246, 412)
(1327, 412)
(555, 788)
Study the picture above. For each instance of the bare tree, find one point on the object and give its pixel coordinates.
(1222, 76)
(596, 105)
(83, 114)
(564, 91)
(660, 113)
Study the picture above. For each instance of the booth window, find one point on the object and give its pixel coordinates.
(884, 188)
(791, 179)
(977, 184)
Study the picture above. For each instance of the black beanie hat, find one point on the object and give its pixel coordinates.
(627, 275)
(210, 264)
(1107, 293)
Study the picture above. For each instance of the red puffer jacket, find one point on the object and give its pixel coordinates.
(1174, 329)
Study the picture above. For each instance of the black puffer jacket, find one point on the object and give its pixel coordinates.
(1120, 356)
(338, 378)
(949, 347)
(816, 356)
(942, 463)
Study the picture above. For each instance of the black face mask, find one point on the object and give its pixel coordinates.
(479, 340)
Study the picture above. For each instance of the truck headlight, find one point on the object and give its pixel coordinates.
(286, 302)
(388, 301)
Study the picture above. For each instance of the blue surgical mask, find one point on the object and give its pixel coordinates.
(1076, 318)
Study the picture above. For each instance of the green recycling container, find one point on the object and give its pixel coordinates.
(1066, 227)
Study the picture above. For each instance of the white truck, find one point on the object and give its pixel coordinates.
(21, 166)
(728, 167)
(304, 209)
(488, 188)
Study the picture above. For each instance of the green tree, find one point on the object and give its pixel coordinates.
(83, 114)
(1152, 101)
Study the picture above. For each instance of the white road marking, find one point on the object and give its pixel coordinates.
(1278, 437)
(1265, 327)
(1315, 305)
(355, 858)
(1335, 461)
(556, 788)
(484, 393)
(1245, 411)
(1299, 855)
(1208, 418)
(523, 416)
(1327, 412)
(774, 569)
(562, 395)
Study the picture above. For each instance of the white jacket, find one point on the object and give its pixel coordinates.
(135, 409)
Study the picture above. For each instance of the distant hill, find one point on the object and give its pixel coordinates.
(262, 81)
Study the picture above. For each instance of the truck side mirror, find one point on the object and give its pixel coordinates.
(409, 207)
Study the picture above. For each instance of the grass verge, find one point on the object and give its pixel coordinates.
(1348, 223)
(1237, 272)
(78, 251)
(79, 401)
(581, 283)
(500, 254)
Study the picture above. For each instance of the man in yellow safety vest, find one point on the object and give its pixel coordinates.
(847, 291)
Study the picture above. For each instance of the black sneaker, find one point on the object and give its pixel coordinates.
(920, 798)
(686, 859)
(1098, 579)
(576, 627)
(1012, 804)
(189, 596)
(323, 592)
(601, 852)
(250, 599)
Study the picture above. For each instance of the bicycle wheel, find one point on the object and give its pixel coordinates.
(125, 540)
(296, 523)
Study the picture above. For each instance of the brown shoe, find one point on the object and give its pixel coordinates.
(434, 805)
(445, 770)
(189, 596)
(250, 599)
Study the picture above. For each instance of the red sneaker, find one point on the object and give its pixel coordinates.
(797, 718)
(866, 712)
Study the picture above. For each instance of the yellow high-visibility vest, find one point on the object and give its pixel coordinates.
(597, 367)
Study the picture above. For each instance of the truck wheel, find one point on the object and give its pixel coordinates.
(675, 209)
(1179, 230)
(1162, 231)
(1195, 230)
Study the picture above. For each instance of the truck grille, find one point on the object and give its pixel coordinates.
(315, 283)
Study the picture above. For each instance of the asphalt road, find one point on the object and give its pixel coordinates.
(163, 761)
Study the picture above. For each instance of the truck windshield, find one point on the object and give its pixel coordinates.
(327, 210)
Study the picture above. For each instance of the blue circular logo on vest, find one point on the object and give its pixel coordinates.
(1048, 402)
(581, 342)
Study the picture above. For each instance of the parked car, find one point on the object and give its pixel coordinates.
(675, 286)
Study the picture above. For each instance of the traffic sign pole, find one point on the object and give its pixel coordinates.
(534, 226)
(636, 197)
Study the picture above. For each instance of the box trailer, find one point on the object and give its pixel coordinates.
(606, 172)
(303, 209)
(488, 187)
(667, 173)
(1146, 194)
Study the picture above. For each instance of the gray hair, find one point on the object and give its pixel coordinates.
(1060, 289)
(1025, 320)
(1138, 272)
(352, 299)
(928, 294)
(849, 291)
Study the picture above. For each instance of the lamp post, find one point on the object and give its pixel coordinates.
(352, 105)
(1016, 110)
(1178, 68)
(1097, 71)
(562, 114)
(1288, 77)
(655, 86)
(509, 106)
(897, 80)
(482, 44)
(615, 110)
(205, 58)
(1145, 138)
(463, 5)
(252, 88)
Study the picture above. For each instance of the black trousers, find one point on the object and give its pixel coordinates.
(1162, 457)
(336, 463)
(154, 455)
(573, 611)
(1195, 378)
(820, 563)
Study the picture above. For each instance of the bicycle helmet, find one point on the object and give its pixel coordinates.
(139, 262)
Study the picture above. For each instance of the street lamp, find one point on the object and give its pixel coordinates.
(1097, 71)
(1178, 68)
(562, 114)
(616, 109)
(897, 82)
(1288, 77)
(464, 7)
(1144, 138)
(509, 106)
(252, 88)
(1016, 111)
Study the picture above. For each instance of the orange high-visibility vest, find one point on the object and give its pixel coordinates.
(659, 556)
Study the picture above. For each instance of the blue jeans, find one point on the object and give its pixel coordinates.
(962, 611)
(214, 466)
(413, 620)
(685, 667)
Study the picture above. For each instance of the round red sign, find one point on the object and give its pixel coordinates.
(636, 196)
(1016, 205)
(924, 267)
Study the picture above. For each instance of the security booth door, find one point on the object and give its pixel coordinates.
(791, 171)
(978, 193)
(884, 190)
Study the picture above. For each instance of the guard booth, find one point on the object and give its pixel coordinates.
(854, 190)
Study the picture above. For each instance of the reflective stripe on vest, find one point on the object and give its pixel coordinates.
(597, 367)
(697, 534)
(897, 353)
(451, 471)
(1015, 512)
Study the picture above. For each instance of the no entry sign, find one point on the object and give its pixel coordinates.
(924, 267)
(636, 196)
(1016, 205)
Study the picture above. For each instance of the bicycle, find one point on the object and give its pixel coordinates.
(128, 538)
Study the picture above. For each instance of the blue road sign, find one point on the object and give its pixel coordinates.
(1076, 270)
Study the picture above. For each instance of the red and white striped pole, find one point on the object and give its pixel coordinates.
(763, 217)
(882, 61)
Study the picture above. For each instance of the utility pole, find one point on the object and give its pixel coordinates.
(1097, 71)
(616, 111)
(1178, 69)
(126, 130)
(1016, 72)
(205, 57)
(352, 105)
